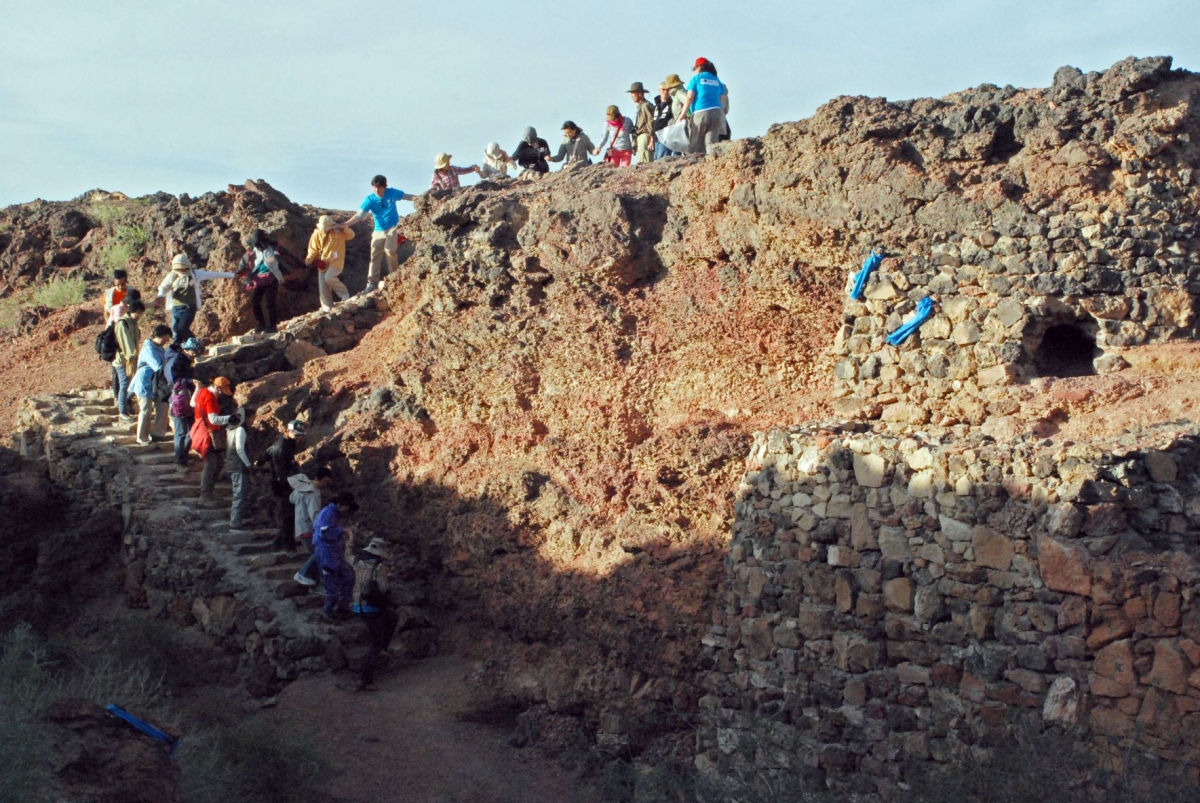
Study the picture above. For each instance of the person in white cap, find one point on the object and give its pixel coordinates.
(495, 162)
(445, 175)
(370, 600)
(327, 249)
(181, 289)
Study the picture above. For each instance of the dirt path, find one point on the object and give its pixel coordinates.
(404, 743)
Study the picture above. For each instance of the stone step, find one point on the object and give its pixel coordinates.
(177, 490)
(154, 458)
(313, 600)
(106, 411)
(254, 548)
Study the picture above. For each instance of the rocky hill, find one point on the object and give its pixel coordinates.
(576, 373)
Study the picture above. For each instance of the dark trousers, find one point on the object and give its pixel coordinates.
(181, 322)
(265, 301)
(339, 585)
(183, 440)
(286, 539)
(381, 625)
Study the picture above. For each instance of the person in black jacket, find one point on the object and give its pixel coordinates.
(531, 154)
(281, 457)
(663, 117)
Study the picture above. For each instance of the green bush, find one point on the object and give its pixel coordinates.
(10, 314)
(106, 213)
(256, 761)
(60, 293)
(127, 242)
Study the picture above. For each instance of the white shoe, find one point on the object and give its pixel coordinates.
(304, 581)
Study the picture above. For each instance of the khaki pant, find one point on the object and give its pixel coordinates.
(148, 410)
(328, 283)
(383, 245)
(645, 148)
(706, 130)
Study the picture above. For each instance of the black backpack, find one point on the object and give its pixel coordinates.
(106, 343)
(160, 388)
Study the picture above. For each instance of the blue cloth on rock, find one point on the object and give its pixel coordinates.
(860, 281)
(923, 313)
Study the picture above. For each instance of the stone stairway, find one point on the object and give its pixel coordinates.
(249, 557)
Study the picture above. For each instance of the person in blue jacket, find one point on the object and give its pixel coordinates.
(329, 543)
(151, 360)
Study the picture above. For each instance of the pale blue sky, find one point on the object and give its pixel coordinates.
(316, 97)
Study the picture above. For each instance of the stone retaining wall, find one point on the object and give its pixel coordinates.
(893, 599)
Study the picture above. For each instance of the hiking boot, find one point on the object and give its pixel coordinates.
(304, 580)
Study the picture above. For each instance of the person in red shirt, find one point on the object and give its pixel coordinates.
(210, 421)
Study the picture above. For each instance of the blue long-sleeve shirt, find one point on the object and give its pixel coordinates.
(150, 359)
(329, 538)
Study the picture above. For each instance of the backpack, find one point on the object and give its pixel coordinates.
(181, 396)
(106, 343)
(160, 388)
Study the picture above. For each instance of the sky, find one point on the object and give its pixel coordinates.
(317, 97)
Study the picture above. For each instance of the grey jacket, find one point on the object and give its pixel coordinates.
(575, 151)
(622, 141)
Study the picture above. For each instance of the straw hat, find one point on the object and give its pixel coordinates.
(673, 81)
(377, 547)
(325, 224)
(442, 160)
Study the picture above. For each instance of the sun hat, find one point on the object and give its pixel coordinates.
(223, 383)
(181, 262)
(673, 81)
(377, 547)
(441, 160)
(636, 86)
(611, 112)
(296, 427)
(192, 344)
(325, 224)
(492, 149)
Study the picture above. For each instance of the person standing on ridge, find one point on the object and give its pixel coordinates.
(114, 314)
(146, 382)
(644, 124)
(381, 205)
(531, 155)
(618, 135)
(181, 289)
(115, 294)
(128, 336)
(708, 103)
(306, 496)
(281, 456)
(180, 372)
(238, 464)
(445, 175)
(260, 271)
(372, 602)
(208, 432)
(663, 117)
(327, 248)
(575, 146)
(329, 541)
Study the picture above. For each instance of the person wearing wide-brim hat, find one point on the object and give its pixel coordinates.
(370, 601)
(643, 124)
(181, 290)
(327, 250)
(574, 148)
(445, 175)
(678, 94)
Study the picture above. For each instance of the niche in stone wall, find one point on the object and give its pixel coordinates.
(1066, 348)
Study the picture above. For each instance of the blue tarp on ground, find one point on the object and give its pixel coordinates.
(144, 726)
(923, 313)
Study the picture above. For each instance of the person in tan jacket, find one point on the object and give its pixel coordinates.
(644, 125)
(129, 341)
(327, 248)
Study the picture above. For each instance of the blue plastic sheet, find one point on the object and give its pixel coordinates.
(860, 281)
(144, 726)
(923, 313)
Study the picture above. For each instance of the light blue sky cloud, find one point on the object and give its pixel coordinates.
(316, 97)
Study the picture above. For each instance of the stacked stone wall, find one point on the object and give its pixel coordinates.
(892, 599)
